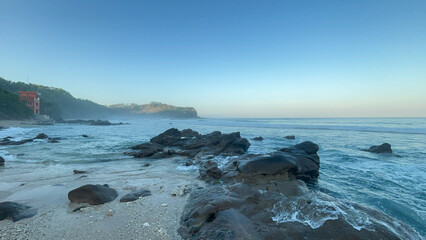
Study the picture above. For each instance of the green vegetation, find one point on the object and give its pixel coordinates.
(60, 104)
(13, 108)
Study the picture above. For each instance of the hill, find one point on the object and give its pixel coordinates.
(156, 109)
(60, 104)
(13, 108)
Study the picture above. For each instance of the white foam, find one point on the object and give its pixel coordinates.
(315, 209)
(187, 168)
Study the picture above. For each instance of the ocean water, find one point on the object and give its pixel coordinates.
(392, 183)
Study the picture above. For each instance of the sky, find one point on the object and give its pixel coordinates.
(225, 58)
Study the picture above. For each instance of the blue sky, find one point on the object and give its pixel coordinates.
(225, 58)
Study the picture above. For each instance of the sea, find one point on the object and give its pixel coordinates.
(392, 183)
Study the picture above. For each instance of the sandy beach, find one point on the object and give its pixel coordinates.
(152, 217)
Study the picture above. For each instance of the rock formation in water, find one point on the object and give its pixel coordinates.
(383, 148)
(189, 143)
(265, 196)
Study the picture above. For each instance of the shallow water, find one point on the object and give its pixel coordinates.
(392, 183)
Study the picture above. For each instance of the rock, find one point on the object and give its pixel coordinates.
(383, 148)
(190, 144)
(78, 171)
(109, 213)
(92, 194)
(188, 163)
(15, 211)
(291, 137)
(53, 141)
(100, 123)
(210, 170)
(1, 161)
(41, 136)
(135, 195)
(179, 191)
(85, 136)
(164, 205)
(258, 138)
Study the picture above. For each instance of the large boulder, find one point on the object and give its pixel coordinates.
(92, 194)
(15, 211)
(383, 148)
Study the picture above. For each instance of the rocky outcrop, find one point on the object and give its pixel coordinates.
(91, 122)
(92, 194)
(258, 138)
(290, 137)
(41, 136)
(264, 196)
(135, 195)
(189, 143)
(383, 148)
(297, 162)
(15, 211)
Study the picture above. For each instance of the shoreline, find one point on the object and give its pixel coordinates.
(152, 217)
(17, 123)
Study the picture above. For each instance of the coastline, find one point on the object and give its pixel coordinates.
(152, 217)
(16, 123)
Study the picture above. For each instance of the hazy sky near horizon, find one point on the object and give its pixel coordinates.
(225, 58)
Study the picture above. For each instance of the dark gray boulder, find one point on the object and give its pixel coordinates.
(135, 195)
(41, 136)
(1, 161)
(258, 138)
(78, 171)
(209, 170)
(15, 211)
(383, 148)
(85, 136)
(290, 137)
(92, 194)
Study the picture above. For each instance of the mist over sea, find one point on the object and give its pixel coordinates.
(392, 183)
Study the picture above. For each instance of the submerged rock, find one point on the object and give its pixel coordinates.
(383, 148)
(92, 194)
(135, 195)
(1, 161)
(290, 137)
(190, 143)
(85, 136)
(258, 138)
(15, 211)
(78, 171)
(41, 136)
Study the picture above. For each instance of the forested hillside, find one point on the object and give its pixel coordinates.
(13, 108)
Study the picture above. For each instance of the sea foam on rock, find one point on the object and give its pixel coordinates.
(264, 196)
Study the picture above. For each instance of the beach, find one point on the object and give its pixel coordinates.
(152, 217)
(353, 188)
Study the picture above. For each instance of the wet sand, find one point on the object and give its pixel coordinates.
(153, 217)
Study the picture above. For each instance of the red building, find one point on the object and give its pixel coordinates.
(32, 99)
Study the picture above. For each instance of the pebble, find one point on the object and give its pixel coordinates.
(109, 213)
